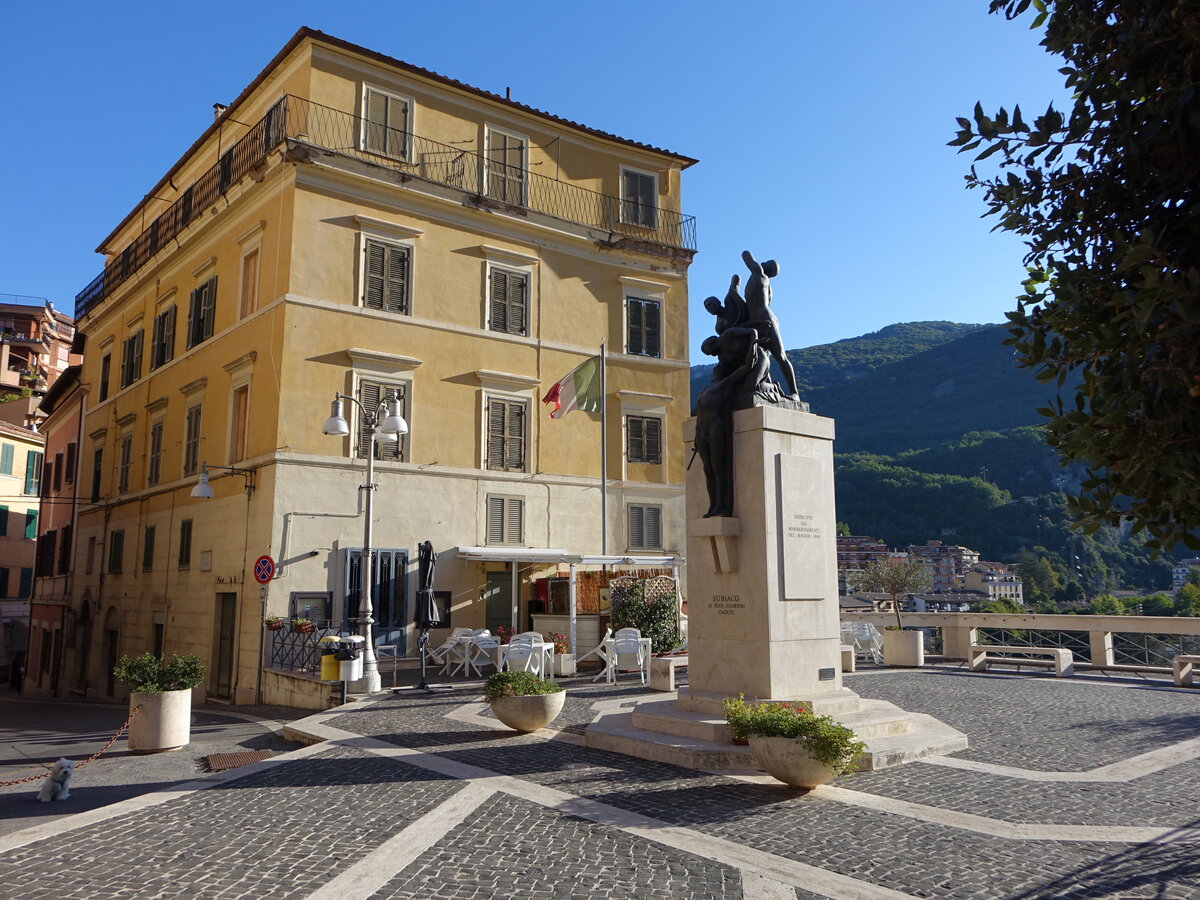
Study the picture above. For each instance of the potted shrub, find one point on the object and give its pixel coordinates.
(273, 623)
(161, 692)
(301, 625)
(564, 660)
(523, 701)
(793, 744)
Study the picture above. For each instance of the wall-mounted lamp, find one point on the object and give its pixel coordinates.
(204, 490)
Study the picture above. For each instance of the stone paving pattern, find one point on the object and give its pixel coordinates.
(289, 829)
(504, 849)
(277, 834)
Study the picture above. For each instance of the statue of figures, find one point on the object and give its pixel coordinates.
(747, 338)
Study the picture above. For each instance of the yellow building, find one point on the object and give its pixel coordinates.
(21, 466)
(352, 224)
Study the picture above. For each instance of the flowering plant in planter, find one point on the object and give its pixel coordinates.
(273, 623)
(504, 633)
(301, 625)
(827, 741)
(518, 684)
(561, 645)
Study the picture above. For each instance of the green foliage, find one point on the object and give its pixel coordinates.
(1001, 605)
(895, 577)
(1104, 197)
(518, 684)
(1187, 600)
(147, 674)
(656, 618)
(1108, 605)
(832, 743)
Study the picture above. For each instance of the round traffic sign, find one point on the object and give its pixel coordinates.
(264, 569)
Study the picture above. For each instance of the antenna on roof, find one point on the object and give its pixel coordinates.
(219, 108)
(508, 93)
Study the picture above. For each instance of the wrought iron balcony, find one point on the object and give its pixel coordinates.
(317, 129)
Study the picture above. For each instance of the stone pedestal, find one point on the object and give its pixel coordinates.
(762, 587)
(763, 610)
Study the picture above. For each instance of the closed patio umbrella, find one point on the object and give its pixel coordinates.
(426, 614)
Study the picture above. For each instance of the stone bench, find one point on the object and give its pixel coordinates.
(1061, 658)
(1181, 669)
(662, 671)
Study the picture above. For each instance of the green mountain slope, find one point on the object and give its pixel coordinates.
(846, 361)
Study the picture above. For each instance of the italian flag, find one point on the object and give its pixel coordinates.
(578, 389)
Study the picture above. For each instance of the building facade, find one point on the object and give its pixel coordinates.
(947, 563)
(352, 225)
(995, 580)
(36, 346)
(854, 553)
(21, 456)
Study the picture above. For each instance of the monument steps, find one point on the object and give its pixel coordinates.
(617, 733)
(927, 737)
(876, 718)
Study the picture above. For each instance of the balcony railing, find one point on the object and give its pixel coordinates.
(332, 132)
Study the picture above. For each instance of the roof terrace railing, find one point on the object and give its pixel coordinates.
(333, 132)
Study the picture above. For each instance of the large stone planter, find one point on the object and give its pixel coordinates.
(164, 721)
(786, 759)
(530, 713)
(903, 649)
(564, 664)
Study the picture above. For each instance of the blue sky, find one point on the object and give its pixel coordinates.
(820, 127)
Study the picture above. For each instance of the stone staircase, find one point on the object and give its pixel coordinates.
(691, 732)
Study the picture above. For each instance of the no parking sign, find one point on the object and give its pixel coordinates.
(264, 569)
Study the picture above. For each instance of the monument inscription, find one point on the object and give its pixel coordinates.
(803, 542)
(726, 604)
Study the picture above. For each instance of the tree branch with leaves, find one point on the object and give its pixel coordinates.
(892, 576)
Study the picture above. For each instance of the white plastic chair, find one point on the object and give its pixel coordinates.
(520, 654)
(868, 641)
(601, 653)
(482, 651)
(450, 651)
(629, 653)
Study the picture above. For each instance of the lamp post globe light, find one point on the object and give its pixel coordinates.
(385, 420)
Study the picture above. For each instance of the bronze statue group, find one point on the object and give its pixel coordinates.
(747, 339)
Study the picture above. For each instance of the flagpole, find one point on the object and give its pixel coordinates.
(603, 454)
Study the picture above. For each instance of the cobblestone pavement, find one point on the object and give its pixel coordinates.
(424, 795)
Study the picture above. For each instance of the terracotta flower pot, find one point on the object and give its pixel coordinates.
(304, 629)
(528, 713)
(788, 760)
(274, 626)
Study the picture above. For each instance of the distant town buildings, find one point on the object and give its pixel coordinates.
(36, 346)
(948, 563)
(1179, 572)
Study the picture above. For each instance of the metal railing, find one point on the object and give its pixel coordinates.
(333, 132)
(294, 651)
(1139, 643)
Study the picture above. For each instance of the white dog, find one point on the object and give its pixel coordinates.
(57, 785)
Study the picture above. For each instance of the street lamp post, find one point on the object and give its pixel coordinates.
(384, 420)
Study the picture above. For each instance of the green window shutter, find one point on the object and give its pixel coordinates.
(3, 521)
(33, 471)
(6, 459)
(31, 520)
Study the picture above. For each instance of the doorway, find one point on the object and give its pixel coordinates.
(498, 599)
(222, 681)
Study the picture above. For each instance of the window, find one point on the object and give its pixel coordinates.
(506, 434)
(148, 549)
(72, 462)
(3, 581)
(131, 358)
(385, 123)
(162, 343)
(645, 527)
(126, 462)
(191, 441)
(385, 282)
(504, 166)
(26, 588)
(97, 473)
(105, 367)
(185, 543)
(505, 520)
(33, 472)
(6, 459)
(240, 404)
(388, 569)
(116, 551)
(58, 472)
(154, 464)
(31, 520)
(65, 547)
(643, 439)
(89, 563)
(639, 196)
(508, 306)
(644, 324)
(249, 283)
(202, 312)
(3, 521)
(370, 394)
